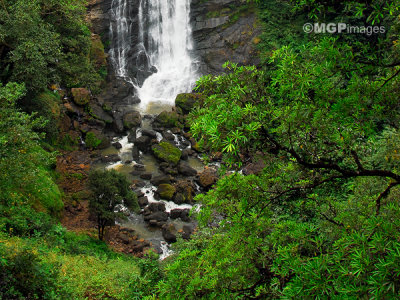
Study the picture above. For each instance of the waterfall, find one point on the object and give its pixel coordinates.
(166, 36)
(151, 48)
(120, 32)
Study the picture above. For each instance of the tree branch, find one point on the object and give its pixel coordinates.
(383, 195)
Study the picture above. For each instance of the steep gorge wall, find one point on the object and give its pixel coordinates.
(222, 30)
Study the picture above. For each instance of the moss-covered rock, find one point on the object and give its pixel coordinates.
(167, 120)
(96, 140)
(166, 191)
(81, 96)
(132, 119)
(167, 152)
(187, 101)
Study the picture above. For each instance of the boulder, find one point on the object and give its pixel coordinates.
(150, 133)
(118, 125)
(135, 153)
(254, 168)
(185, 191)
(96, 111)
(160, 179)
(146, 176)
(166, 191)
(183, 214)
(186, 170)
(167, 152)
(81, 96)
(187, 101)
(132, 119)
(157, 217)
(169, 233)
(208, 177)
(186, 232)
(110, 158)
(143, 201)
(156, 206)
(143, 143)
(167, 120)
(117, 145)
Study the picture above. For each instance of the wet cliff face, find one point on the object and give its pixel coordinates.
(224, 30)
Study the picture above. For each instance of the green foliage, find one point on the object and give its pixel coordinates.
(167, 152)
(91, 141)
(43, 42)
(321, 220)
(25, 179)
(109, 189)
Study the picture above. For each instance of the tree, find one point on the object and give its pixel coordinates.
(109, 189)
(322, 218)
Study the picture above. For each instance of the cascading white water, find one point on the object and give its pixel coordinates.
(122, 30)
(166, 36)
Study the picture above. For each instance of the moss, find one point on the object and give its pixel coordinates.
(168, 120)
(46, 196)
(91, 141)
(167, 152)
(187, 101)
(166, 191)
(48, 106)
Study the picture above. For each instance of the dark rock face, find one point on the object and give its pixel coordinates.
(132, 119)
(230, 34)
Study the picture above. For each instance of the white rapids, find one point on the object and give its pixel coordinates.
(166, 34)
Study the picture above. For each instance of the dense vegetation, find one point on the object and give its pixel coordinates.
(321, 219)
(321, 114)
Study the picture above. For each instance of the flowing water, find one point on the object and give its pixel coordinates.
(166, 36)
(120, 28)
(164, 67)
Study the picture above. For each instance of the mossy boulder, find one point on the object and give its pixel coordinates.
(96, 140)
(187, 101)
(166, 191)
(167, 152)
(132, 119)
(167, 119)
(97, 112)
(81, 96)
